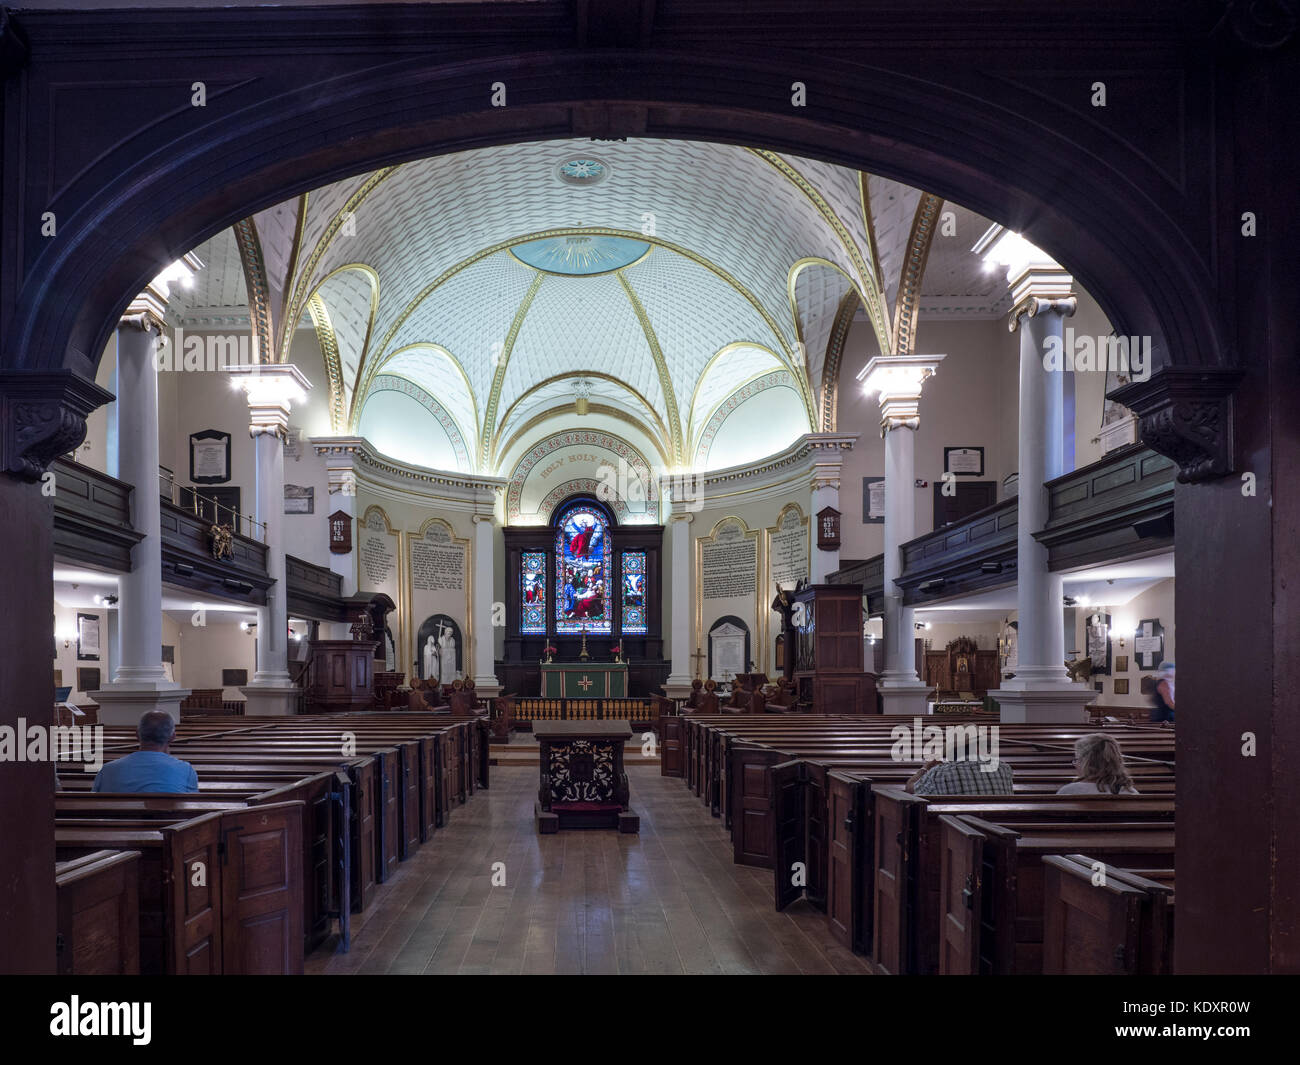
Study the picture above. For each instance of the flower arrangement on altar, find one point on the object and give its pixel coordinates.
(550, 652)
(617, 652)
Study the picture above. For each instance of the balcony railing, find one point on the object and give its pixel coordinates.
(189, 497)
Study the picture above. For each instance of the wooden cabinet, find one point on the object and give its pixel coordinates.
(342, 675)
(828, 669)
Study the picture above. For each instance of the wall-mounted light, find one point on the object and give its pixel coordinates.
(922, 624)
(249, 627)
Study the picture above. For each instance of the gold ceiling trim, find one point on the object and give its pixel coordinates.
(869, 224)
(320, 319)
(791, 281)
(504, 245)
(834, 357)
(662, 430)
(372, 276)
(498, 379)
(349, 209)
(593, 408)
(299, 231)
(437, 349)
(661, 365)
(695, 446)
(869, 286)
(699, 381)
(917, 254)
(255, 283)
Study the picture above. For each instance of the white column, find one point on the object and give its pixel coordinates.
(897, 380)
(139, 683)
(1041, 689)
(272, 389)
(268, 507)
(678, 684)
(485, 677)
(825, 493)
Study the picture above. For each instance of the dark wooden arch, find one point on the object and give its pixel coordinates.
(985, 106)
(277, 124)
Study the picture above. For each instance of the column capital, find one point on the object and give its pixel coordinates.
(272, 389)
(144, 315)
(478, 518)
(1033, 306)
(42, 416)
(685, 519)
(896, 380)
(1186, 415)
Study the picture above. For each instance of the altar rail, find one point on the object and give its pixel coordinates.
(530, 709)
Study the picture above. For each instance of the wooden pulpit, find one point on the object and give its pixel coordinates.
(828, 667)
(342, 675)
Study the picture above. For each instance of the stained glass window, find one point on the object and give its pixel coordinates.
(582, 571)
(634, 617)
(532, 598)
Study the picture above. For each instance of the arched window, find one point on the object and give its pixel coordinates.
(583, 574)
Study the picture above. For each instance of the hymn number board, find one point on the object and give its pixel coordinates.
(828, 529)
(340, 532)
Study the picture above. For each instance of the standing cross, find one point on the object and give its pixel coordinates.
(696, 657)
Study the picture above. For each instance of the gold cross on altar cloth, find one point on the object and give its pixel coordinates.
(585, 683)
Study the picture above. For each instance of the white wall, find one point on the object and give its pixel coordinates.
(1156, 602)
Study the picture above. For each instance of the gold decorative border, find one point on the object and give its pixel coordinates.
(372, 275)
(498, 379)
(255, 281)
(601, 408)
(593, 408)
(697, 577)
(661, 365)
(329, 347)
(870, 294)
(834, 357)
(429, 396)
(915, 258)
(297, 302)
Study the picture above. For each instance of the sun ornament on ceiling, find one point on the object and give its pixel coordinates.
(582, 172)
(580, 254)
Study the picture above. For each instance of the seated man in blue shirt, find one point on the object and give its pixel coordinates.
(150, 768)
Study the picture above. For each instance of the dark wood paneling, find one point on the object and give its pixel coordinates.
(92, 517)
(315, 592)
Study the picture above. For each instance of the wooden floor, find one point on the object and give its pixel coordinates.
(667, 901)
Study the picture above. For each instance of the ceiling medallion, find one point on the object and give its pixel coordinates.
(581, 171)
(580, 254)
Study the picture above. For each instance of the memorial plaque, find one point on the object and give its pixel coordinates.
(377, 553)
(728, 563)
(727, 651)
(437, 562)
(787, 549)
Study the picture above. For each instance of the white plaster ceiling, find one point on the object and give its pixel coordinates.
(460, 315)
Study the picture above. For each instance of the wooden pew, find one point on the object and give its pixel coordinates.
(1004, 868)
(1117, 923)
(219, 893)
(98, 914)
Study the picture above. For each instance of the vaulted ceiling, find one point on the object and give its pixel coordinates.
(659, 280)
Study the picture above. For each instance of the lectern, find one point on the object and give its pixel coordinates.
(583, 782)
(828, 663)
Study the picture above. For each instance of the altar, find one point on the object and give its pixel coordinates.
(584, 680)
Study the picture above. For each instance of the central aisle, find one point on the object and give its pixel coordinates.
(666, 901)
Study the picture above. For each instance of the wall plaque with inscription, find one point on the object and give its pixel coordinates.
(437, 561)
(728, 563)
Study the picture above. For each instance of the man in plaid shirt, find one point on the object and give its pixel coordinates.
(961, 777)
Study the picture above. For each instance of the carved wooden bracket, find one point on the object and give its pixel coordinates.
(43, 416)
(1186, 415)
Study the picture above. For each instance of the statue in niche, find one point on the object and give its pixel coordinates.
(440, 656)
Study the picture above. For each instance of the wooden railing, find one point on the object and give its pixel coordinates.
(531, 709)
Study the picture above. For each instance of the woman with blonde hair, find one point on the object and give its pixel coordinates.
(1100, 765)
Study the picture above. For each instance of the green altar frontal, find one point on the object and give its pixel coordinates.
(578, 680)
